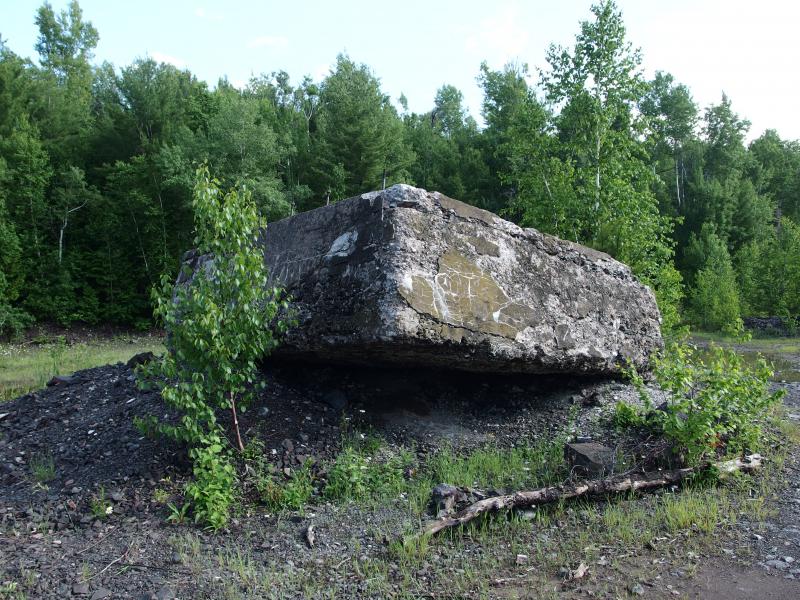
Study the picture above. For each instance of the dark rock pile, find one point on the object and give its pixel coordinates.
(776, 326)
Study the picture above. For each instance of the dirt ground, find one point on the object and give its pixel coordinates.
(95, 526)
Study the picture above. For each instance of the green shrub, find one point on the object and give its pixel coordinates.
(221, 321)
(274, 488)
(360, 474)
(714, 298)
(13, 321)
(291, 494)
(718, 404)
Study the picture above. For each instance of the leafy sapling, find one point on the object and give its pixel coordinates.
(222, 318)
(718, 404)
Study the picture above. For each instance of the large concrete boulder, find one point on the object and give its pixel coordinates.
(411, 278)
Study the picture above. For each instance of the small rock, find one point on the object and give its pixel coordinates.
(578, 572)
(101, 593)
(590, 458)
(80, 589)
(62, 380)
(522, 559)
(446, 496)
(165, 593)
(288, 445)
(636, 589)
(310, 536)
(591, 398)
(777, 564)
(140, 359)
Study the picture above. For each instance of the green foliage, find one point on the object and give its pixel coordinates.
(97, 168)
(222, 319)
(514, 468)
(359, 144)
(769, 272)
(178, 514)
(43, 467)
(718, 403)
(292, 494)
(276, 490)
(445, 142)
(360, 475)
(411, 550)
(213, 489)
(100, 506)
(714, 299)
(592, 183)
(627, 416)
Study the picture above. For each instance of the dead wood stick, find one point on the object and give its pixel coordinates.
(596, 487)
(112, 563)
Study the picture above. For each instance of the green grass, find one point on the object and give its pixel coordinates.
(43, 467)
(622, 538)
(773, 345)
(24, 368)
(777, 351)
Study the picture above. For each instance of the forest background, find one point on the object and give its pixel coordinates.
(97, 168)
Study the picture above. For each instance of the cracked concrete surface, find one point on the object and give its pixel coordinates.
(406, 277)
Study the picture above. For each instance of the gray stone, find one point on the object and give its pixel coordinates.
(445, 497)
(80, 589)
(165, 593)
(777, 564)
(405, 277)
(142, 358)
(101, 593)
(62, 380)
(590, 459)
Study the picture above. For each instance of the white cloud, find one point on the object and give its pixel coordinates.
(167, 58)
(499, 38)
(268, 41)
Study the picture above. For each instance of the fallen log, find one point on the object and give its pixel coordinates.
(596, 487)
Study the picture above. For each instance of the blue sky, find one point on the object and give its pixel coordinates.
(751, 50)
